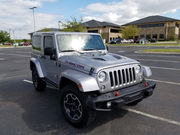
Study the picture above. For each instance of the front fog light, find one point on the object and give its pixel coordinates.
(108, 104)
(102, 76)
(138, 69)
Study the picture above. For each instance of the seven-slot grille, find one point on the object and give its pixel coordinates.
(122, 77)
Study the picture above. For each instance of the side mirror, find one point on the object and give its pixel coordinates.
(48, 51)
(107, 48)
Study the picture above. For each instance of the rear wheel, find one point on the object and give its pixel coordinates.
(74, 107)
(38, 83)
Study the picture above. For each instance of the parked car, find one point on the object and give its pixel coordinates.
(88, 78)
(8, 44)
(116, 41)
(20, 44)
(152, 40)
(141, 41)
(26, 43)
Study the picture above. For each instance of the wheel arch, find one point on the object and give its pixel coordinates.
(84, 82)
(35, 63)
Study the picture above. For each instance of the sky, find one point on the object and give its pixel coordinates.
(17, 18)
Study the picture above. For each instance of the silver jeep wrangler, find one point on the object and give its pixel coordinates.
(88, 77)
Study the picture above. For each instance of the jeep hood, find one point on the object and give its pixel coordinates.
(97, 61)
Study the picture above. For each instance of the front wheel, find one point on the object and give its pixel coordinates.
(74, 107)
(38, 83)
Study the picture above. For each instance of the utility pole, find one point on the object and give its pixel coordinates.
(33, 18)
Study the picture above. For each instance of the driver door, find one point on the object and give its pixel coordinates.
(50, 60)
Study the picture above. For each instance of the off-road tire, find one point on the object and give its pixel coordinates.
(88, 115)
(38, 83)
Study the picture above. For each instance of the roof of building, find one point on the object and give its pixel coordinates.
(152, 19)
(47, 30)
(95, 24)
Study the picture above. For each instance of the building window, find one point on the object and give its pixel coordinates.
(92, 31)
(177, 25)
(114, 30)
(148, 36)
(110, 38)
(136, 37)
(141, 36)
(161, 36)
(154, 36)
(151, 25)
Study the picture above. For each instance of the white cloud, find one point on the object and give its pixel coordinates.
(16, 16)
(128, 10)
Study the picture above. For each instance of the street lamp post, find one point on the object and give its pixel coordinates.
(59, 22)
(33, 17)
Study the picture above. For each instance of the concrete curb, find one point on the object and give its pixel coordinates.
(156, 52)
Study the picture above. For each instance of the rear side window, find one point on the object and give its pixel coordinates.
(48, 42)
(36, 43)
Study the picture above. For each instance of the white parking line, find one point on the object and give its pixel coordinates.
(32, 83)
(154, 117)
(141, 113)
(28, 81)
(1, 59)
(121, 51)
(159, 60)
(15, 55)
(174, 83)
(166, 68)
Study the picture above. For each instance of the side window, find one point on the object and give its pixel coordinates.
(36, 43)
(48, 42)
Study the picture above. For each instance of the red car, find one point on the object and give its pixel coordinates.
(26, 43)
(8, 44)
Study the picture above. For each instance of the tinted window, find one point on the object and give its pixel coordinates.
(36, 43)
(48, 42)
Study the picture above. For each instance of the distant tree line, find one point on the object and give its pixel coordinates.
(5, 38)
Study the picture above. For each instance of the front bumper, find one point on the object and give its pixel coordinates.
(122, 97)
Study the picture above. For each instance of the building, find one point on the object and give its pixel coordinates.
(44, 30)
(159, 27)
(108, 31)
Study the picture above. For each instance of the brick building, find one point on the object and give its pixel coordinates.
(109, 31)
(159, 27)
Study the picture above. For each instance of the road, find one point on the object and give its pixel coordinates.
(23, 111)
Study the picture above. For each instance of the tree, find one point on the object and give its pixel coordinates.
(46, 30)
(129, 31)
(172, 36)
(4, 37)
(73, 25)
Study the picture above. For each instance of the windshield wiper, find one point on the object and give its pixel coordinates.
(89, 49)
(71, 51)
(68, 51)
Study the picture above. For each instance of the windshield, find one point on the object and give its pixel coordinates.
(77, 42)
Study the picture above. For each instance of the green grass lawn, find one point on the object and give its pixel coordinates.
(162, 50)
(3, 46)
(151, 44)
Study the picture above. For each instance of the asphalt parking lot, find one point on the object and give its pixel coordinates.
(23, 111)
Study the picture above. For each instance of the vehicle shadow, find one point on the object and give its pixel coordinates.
(42, 114)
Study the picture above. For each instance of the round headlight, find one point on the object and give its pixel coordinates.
(102, 76)
(138, 69)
